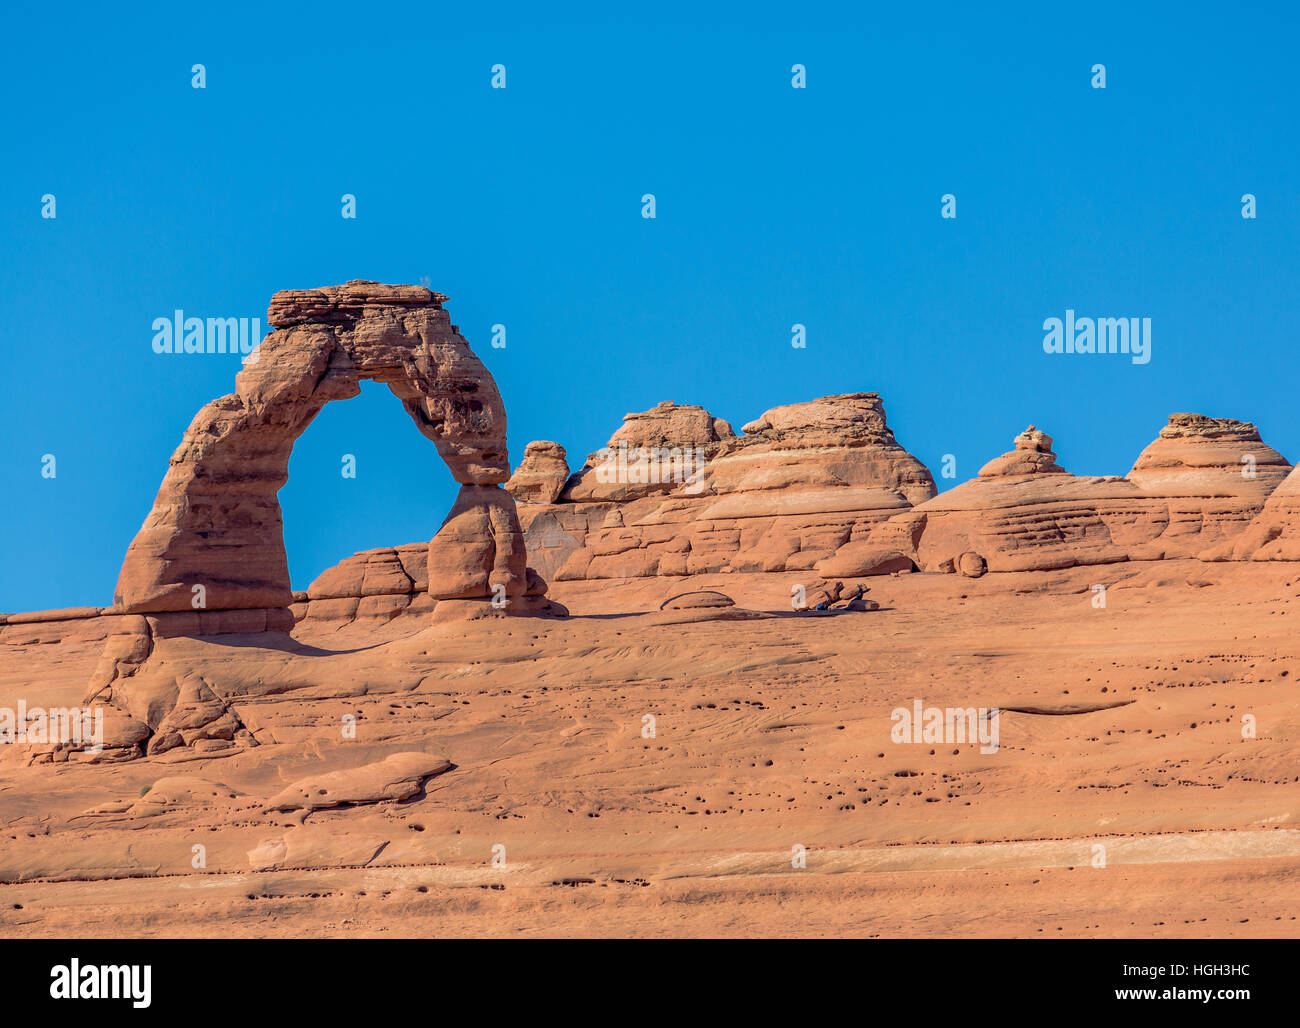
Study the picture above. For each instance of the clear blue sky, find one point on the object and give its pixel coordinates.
(775, 206)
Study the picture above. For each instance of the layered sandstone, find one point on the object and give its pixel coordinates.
(1274, 534)
(677, 493)
(653, 452)
(831, 443)
(802, 481)
(1196, 486)
(1199, 456)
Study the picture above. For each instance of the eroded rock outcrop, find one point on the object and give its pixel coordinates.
(541, 475)
(658, 451)
(1195, 487)
(801, 482)
(1199, 456)
(215, 530)
(393, 779)
(210, 557)
(1274, 534)
(834, 442)
(1032, 455)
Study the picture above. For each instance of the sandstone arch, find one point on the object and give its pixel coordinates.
(216, 521)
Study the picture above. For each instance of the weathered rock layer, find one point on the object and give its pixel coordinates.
(1199, 484)
(802, 481)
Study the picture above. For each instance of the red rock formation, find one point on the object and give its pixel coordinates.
(1032, 456)
(374, 584)
(804, 480)
(1186, 493)
(480, 542)
(542, 475)
(1199, 456)
(653, 452)
(1274, 534)
(216, 522)
(835, 442)
(210, 558)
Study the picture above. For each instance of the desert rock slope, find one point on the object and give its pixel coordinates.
(664, 693)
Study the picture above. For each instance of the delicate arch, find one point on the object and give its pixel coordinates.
(216, 521)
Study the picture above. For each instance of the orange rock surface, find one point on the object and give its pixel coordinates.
(623, 702)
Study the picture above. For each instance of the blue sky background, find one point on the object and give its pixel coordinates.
(775, 206)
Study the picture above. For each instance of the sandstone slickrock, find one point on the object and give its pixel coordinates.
(198, 714)
(695, 600)
(700, 606)
(541, 475)
(1274, 534)
(395, 778)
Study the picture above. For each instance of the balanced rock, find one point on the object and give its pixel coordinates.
(479, 550)
(1032, 455)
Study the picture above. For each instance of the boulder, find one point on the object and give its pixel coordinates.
(697, 600)
(864, 558)
(542, 474)
(971, 564)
